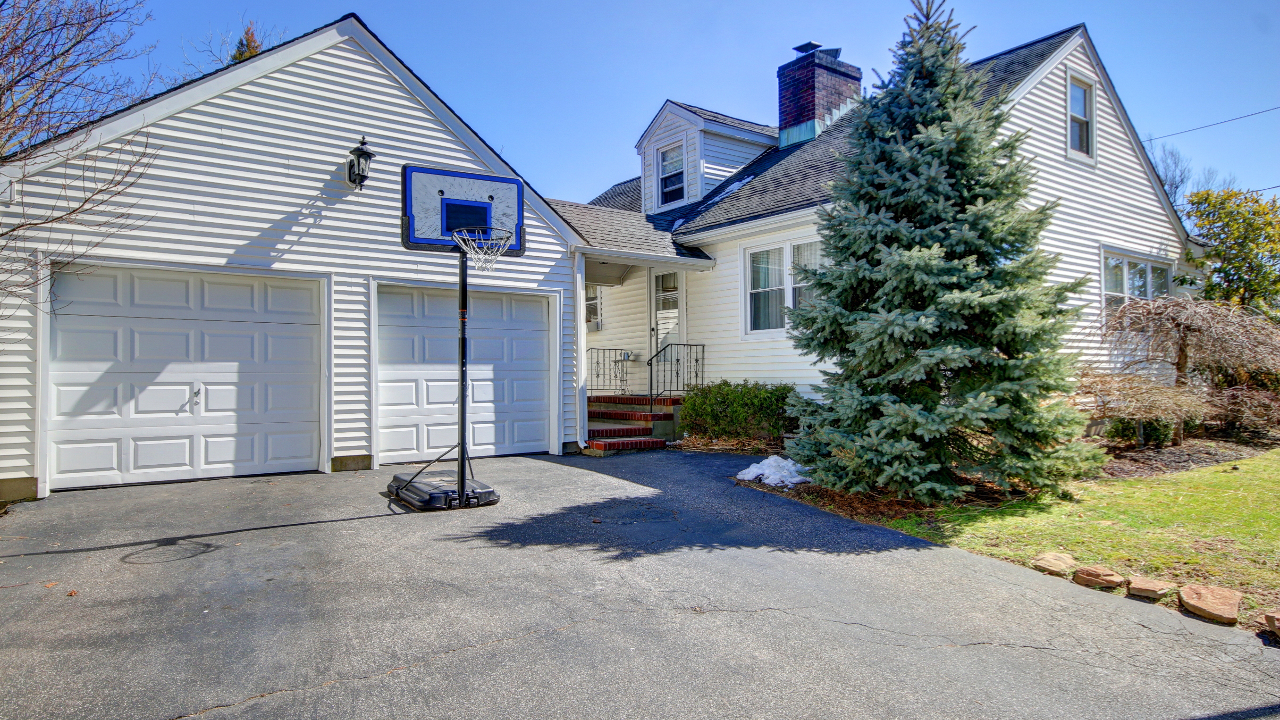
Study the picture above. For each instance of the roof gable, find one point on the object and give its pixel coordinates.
(136, 117)
(784, 180)
(702, 119)
(1008, 70)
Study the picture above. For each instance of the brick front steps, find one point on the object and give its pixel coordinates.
(629, 415)
(617, 431)
(635, 400)
(609, 447)
(623, 423)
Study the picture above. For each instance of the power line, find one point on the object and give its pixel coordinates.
(1182, 132)
(1273, 187)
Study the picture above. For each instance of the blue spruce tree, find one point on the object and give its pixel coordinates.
(932, 301)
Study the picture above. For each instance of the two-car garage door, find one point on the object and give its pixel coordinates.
(160, 375)
(157, 375)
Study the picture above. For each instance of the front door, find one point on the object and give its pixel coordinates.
(664, 316)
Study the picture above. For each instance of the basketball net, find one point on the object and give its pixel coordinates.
(484, 244)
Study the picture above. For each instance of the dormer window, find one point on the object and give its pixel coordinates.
(1080, 124)
(671, 175)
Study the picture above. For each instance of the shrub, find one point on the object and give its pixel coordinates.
(737, 410)
(1154, 432)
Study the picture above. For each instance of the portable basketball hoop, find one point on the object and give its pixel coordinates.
(484, 245)
(480, 218)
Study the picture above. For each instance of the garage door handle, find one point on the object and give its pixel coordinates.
(196, 401)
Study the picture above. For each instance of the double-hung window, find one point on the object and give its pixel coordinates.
(1080, 122)
(1125, 279)
(671, 174)
(772, 284)
(767, 292)
(809, 256)
(593, 307)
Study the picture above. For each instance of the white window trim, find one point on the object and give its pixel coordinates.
(788, 285)
(1075, 77)
(1128, 257)
(657, 174)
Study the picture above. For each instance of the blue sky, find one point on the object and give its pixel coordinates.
(564, 88)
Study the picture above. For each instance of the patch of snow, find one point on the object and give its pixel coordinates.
(776, 471)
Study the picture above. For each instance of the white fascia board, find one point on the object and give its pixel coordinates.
(646, 259)
(751, 228)
(667, 107)
(1082, 38)
(716, 128)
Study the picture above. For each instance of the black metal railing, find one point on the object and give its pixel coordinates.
(607, 370)
(674, 369)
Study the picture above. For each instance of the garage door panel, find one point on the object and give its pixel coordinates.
(111, 456)
(191, 296)
(139, 400)
(87, 400)
(508, 367)
(82, 343)
(158, 375)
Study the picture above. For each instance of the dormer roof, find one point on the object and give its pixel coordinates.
(704, 119)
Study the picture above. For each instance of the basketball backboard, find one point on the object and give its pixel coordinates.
(437, 202)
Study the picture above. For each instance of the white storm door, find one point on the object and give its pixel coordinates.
(161, 375)
(664, 310)
(508, 368)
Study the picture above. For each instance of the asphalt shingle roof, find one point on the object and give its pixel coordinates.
(1009, 68)
(623, 196)
(614, 229)
(723, 119)
(799, 176)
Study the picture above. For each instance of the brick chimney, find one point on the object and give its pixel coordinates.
(814, 90)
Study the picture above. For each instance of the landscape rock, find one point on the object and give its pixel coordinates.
(1148, 588)
(1214, 603)
(1272, 620)
(1054, 563)
(1098, 576)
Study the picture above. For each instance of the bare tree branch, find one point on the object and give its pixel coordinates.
(60, 195)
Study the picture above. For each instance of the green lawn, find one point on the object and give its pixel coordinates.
(1213, 525)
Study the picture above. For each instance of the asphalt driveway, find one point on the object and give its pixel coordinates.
(311, 596)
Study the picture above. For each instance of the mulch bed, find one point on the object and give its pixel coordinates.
(884, 506)
(741, 446)
(1130, 461)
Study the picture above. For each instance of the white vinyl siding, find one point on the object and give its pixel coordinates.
(720, 313)
(18, 387)
(252, 179)
(723, 156)
(1110, 203)
(671, 129)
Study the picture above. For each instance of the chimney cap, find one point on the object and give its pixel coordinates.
(807, 47)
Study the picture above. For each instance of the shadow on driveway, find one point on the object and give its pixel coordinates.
(697, 506)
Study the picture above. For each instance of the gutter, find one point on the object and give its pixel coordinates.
(646, 259)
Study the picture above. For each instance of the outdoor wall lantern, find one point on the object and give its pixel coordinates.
(358, 165)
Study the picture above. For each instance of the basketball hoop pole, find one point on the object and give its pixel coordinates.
(462, 376)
